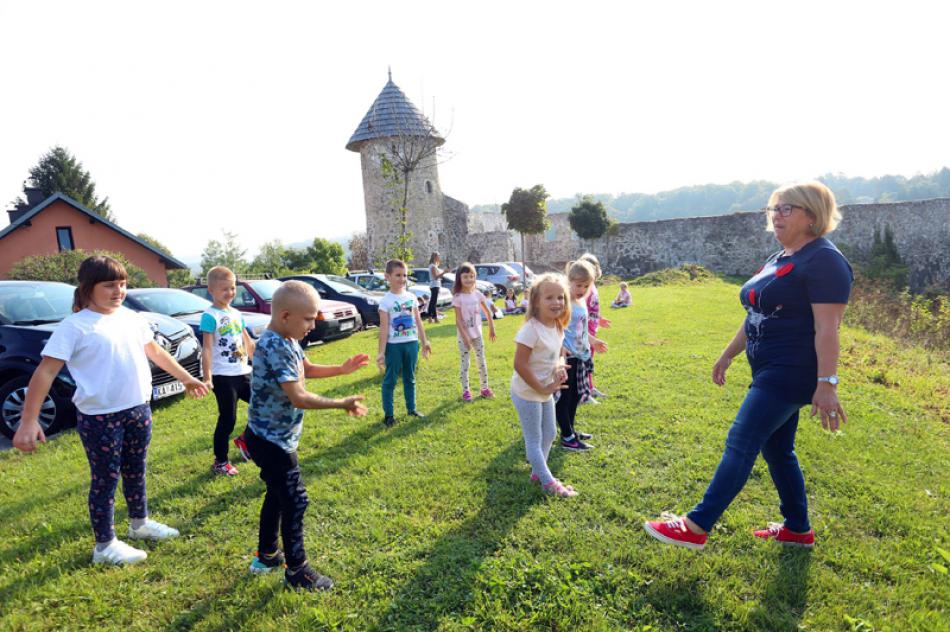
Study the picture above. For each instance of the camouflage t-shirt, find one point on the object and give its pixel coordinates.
(270, 415)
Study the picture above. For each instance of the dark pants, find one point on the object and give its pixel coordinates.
(765, 423)
(566, 407)
(228, 389)
(401, 359)
(284, 502)
(433, 295)
(116, 444)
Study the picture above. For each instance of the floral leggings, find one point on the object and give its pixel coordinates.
(479, 346)
(116, 444)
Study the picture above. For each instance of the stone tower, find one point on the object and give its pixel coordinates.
(394, 129)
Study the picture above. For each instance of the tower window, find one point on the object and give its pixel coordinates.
(428, 186)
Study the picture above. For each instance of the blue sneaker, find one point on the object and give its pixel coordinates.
(267, 563)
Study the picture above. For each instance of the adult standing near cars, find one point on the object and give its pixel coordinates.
(435, 283)
(794, 307)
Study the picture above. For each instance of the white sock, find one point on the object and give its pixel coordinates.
(137, 523)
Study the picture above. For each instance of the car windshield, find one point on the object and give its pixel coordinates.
(340, 284)
(23, 304)
(170, 302)
(265, 288)
(374, 283)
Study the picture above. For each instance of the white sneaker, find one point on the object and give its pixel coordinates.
(590, 400)
(118, 553)
(598, 393)
(152, 530)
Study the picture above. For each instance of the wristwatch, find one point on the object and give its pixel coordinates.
(831, 379)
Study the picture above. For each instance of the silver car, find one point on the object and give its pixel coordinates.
(501, 275)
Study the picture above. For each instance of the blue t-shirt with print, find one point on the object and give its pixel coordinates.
(780, 324)
(577, 336)
(270, 414)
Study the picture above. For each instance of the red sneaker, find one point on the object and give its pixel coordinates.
(782, 535)
(672, 529)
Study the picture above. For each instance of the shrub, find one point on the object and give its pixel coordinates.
(63, 266)
(687, 273)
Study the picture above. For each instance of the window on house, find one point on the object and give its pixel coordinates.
(64, 238)
(428, 186)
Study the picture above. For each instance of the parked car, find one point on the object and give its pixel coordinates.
(501, 275)
(336, 320)
(29, 313)
(337, 288)
(376, 281)
(186, 307)
(486, 288)
(527, 275)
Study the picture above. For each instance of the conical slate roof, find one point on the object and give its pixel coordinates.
(392, 114)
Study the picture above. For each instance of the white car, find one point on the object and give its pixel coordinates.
(376, 282)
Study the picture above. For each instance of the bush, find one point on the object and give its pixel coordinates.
(63, 266)
(688, 273)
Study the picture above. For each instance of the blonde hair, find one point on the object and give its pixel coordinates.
(816, 198)
(592, 259)
(220, 273)
(580, 270)
(534, 298)
(623, 285)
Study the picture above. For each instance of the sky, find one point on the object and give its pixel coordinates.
(196, 117)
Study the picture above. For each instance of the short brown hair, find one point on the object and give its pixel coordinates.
(392, 264)
(220, 273)
(465, 267)
(96, 269)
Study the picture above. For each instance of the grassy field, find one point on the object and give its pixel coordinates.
(434, 525)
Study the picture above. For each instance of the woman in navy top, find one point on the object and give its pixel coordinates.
(794, 306)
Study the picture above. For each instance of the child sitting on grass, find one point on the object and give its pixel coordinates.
(623, 297)
(275, 422)
(539, 373)
(511, 303)
(470, 305)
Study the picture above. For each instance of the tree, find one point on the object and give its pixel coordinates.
(63, 266)
(885, 261)
(297, 259)
(271, 260)
(588, 218)
(176, 277)
(326, 257)
(526, 212)
(227, 253)
(359, 252)
(58, 171)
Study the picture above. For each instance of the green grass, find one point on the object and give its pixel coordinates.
(433, 524)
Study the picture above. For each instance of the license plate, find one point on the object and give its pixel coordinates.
(346, 325)
(167, 390)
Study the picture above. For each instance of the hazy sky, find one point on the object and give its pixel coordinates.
(196, 116)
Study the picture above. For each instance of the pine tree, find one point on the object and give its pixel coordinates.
(58, 171)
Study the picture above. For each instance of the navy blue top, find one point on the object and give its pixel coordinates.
(780, 325)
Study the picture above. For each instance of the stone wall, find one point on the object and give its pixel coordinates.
(738, 243)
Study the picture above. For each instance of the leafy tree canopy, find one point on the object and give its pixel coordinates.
(526, 210)
(589, 219)
(224, 253)
(63, 266)
(58, 171)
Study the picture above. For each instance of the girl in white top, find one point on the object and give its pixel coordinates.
(511, 303)
(106, 348)
(470, 305)
(623, 297)
(435, 284)
(539, 373)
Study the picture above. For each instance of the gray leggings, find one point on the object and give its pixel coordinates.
(539, 430)
(479, 345)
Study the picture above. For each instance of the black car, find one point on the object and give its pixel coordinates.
(186, 307)
(337, 288)
(29, 313)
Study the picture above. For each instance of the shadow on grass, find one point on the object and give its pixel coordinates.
(786, 596)
(233, 616)
(443, 585)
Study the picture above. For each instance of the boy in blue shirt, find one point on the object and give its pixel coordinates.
(274, 424)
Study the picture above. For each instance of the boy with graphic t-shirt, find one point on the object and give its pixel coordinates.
(226, 348)
(400, 331)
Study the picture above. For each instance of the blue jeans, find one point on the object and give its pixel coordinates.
(401, 359)
(766, 423)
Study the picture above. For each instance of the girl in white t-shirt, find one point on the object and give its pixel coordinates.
(511, 303)
(469, 305)
(539, 373)
(106, 348)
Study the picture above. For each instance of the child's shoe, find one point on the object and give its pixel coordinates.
(153, 530)
(575, 445)
(584, 436)
(782, 535)
(224, 469)
(673, 530)
(467, 396)
(599, 394)
(266, 563)
(389, 421)
(590, 400)
(487, 393)
(305, 578)
(241, 445)
(416, 413)
(535, 478)
(117, 554)
(556, 488)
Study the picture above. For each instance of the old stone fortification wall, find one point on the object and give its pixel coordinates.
(738, 243)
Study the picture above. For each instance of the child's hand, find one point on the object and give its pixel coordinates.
(381, 361)
(559, 383)
(196, 388)
(353, 407)
(598, 345)
(356, 362)
(491, 333)
(603, 322)
(27, 435)
(427, 350)
(209, 384)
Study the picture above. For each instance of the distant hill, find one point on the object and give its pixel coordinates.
(721, 199)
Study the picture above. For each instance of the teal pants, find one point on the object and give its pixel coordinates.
(400, 358)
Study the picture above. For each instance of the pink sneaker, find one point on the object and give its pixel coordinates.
(466, 396)
(487, 393)
(534, 478)
(672, 529)
(782, 535)
(556, 488)
(224, 469)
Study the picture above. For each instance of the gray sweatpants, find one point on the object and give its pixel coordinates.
(479, 346)
(539, 430)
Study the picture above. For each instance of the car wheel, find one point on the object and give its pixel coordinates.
(54, 411)
(501, 290)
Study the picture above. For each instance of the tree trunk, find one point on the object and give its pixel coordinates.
(524, 266)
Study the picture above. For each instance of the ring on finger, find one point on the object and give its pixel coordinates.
(833, 414)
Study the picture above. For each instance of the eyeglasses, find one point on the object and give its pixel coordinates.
(785, 210)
